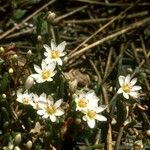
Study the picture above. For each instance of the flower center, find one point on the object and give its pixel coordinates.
(82, 103)
(25, 101)
(126, 88)
(46, 74)
(50, 110)
(91, 114)
(54, 54)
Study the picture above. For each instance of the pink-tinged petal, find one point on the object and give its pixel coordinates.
(91, 123)
(133, 81)
(134, 94)
(100, 117)
(47, 48)
(120, 91)
(126, 95)
(37, 68)
(59, 61)
(136, 88)
(53, 45)
(61, 46)
(53, 118)
(59, 112)
(127, 79)
(121, 80)
(58, 103)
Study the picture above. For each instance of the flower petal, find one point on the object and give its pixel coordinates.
(53, 45)
(58, 103)
(91, 123)
(121, 80)
(133, 81)
(101, 117)
(59, 61)
(47, 48)
(127, 79)
(120, 91)
(126, 95)
(136, 88)
(53, 118)
(61, 46)
(37, 68)
(134, 94)
(59, 112)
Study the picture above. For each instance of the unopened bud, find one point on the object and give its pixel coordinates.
(29, 53)
(29, 145)
(29, 82)
(16, 148)
(14, 57)
(2, 50)
(78, 121)
(4, 96)
(148, 133)
(65, 59)
(11, 71)
(17, 139)
(51, 17)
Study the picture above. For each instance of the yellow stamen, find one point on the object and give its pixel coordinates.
(54, 54)
(25, 101)
(82, 103)
(91, 114)
(50, 110)
(46, 74)
(126, 88)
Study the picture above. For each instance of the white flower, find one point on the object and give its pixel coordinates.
(45, 73)
(92, 114)
(24, 98)
(54, 52)
(51, 110)
(39, 101)
(86, 100)
(128, 87)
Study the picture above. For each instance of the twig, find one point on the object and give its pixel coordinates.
(98, 20)
(111, 4)
(119, 138)
(70, 13)
(100, 29)
(118, 33)
(26, 19)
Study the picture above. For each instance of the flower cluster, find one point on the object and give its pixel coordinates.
(87, 103)
(128, 87)
(53, 56)
(44, 104)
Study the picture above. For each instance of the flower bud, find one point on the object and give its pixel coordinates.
(29, 53)
(14, 57)
(29, 145)
(2, 50)
(17, 139)
(4, 95)
(29, 82)
(16, 148)
(148, 133)
(11, 71)
(51, 17)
